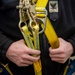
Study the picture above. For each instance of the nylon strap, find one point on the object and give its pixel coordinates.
(49, 31)
(28, 29)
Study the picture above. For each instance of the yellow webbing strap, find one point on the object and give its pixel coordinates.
(49, 31)
(65, 71)
(51, 35)
(41, 3)
(7, 68)
(27, 37)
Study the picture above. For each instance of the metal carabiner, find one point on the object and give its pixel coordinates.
(41, 14)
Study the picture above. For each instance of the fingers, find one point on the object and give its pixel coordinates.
(30, 57)
(56, 51)
(24, 63)
(22, 55)
(59, 60)
(27, 60)
(57, 56)
(31, 51)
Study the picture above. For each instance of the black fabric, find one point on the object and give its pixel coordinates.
(9, 32)
(21, 70)
(48, 67)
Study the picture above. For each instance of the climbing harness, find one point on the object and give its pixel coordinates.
(34, 21)
(29, 26)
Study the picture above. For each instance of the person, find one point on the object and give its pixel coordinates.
(19, 57)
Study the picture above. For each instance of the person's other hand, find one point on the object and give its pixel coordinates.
(62, 53)
(21, 55)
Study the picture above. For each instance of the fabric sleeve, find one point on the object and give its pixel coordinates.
(72, 41)
(5, 42)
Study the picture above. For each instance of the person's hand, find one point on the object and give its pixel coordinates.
(62, 53)
(21, 55)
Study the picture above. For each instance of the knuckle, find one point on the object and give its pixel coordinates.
(31, 63)
(63, 56)
(62, 51)
(36, 59)
(26, 51)
(63, 61)
(19, 63)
